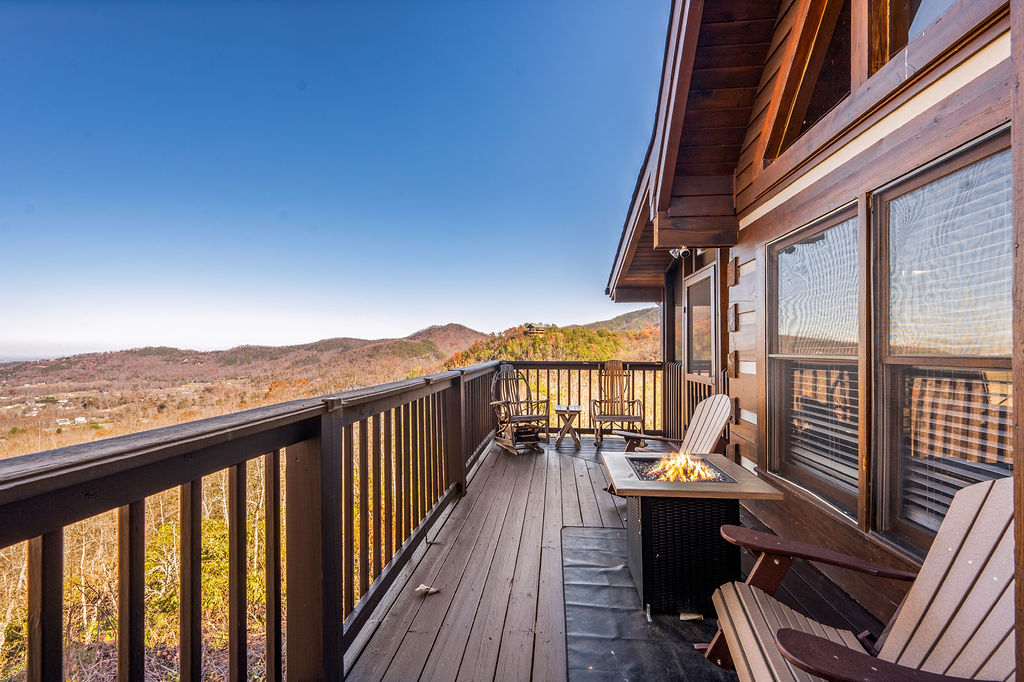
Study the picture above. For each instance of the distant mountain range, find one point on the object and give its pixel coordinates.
(429, 346)
(348, 359)
(637, 321)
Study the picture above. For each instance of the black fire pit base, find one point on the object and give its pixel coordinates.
(676, 554)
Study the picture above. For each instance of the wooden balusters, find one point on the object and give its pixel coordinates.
(390, 487)
(364, 509)
(131, 608)
(238, 644)
(349, 533)
(46, 607)
(375, 457)
(190, 665)
(272, 555)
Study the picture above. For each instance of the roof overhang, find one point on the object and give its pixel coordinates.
(684, 193)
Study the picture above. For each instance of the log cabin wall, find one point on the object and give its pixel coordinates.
(950, 86)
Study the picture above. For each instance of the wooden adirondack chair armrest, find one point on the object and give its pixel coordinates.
(642, 436)
(824, 658)
(773, 544)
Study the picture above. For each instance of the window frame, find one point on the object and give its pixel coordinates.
(889, 370)
(778, 383)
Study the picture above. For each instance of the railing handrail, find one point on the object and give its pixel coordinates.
(585, 364)
(51, 471)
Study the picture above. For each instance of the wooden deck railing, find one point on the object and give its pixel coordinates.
(367, 473)
(576, 383)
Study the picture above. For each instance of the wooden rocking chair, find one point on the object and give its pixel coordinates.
(705, 427)
(956, 622)
(522, 421)
(613, 407)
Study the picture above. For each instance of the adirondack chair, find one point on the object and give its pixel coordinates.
(613, 407)
(706, 426)
(522, 421)
(956, 622)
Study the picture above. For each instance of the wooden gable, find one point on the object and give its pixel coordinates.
(714, 59)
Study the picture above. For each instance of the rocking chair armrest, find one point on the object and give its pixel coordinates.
(643, 436)
(773, 544)
(832, 661)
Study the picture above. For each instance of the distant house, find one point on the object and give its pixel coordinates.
(63, 422)
(80, 420)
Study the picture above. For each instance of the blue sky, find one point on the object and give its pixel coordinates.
(205, 175)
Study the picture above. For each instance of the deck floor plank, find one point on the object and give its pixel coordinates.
(549, 662)
(569, 497)
(610, 517)
(375, 659)
(481, 654)
(475, 535)
(445, 655)
(515, 656)
(589, 510)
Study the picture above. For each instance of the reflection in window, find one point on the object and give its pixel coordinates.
(678, 313)
(817, 293)
(924, 12)
(951, 265)
(956, 431)
(700, 328)
(813, 382)
(950, 273)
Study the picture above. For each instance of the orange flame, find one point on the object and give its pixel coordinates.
(682, 467)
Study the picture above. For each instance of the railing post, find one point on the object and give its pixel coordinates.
(458, 437)
(313, 535)
(131, 608)
(46, 607)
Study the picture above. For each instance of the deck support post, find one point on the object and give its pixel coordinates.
(313, 534)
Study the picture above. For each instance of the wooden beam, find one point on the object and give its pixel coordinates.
(675, 89)
(190, 501)
(313, 504)
(1017, 147)
(694, 231)
(860, 41)
(46, 607)
(787, 81)
(637, 294)
(131, 594)
(238, 643)
(709, 204)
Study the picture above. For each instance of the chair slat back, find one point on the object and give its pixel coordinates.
(509, 385)
(958, 617)
(613, 383)
(707, 423)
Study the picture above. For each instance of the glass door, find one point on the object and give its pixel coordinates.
(701, 325)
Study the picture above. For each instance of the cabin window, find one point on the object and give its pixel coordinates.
(812, 373)
(946, 399)
(894, 24)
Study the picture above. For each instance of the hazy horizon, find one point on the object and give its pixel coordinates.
(208, 175)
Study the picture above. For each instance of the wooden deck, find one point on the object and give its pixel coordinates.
(496, 562)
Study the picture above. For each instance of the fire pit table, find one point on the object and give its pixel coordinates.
(676, 554)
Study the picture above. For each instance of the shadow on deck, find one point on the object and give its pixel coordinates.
(496, 561)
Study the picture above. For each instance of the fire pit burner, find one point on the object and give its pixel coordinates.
(647, 469)
(676, 553)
